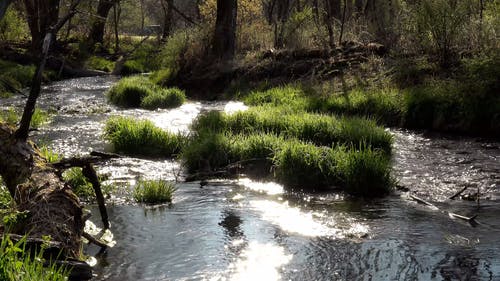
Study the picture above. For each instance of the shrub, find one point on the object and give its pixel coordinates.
(130, 91)
(165, 98)
(141, 137)
(154, 191)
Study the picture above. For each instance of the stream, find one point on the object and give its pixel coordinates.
(249, 230)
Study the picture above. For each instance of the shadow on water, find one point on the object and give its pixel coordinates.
(247, 230)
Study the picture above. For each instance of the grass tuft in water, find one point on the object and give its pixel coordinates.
(316, 128)
(154, 191)
(141, 137)
(164, 98)
(82, 186)
(130, 91)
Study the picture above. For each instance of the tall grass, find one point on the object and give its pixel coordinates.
(39, 117)
(100, 63)
(154, 191)
(297, 164)
(18, 263)
(82, 187)
(164, 98)
(139, 91)
(317, 128)
(130, 91)
(141, 137)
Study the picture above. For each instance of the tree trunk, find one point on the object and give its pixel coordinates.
(224, 42)
(168, 14)
(97, 30)
(41, 16)
(53, 209)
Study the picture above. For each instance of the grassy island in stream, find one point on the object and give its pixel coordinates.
(139, 91)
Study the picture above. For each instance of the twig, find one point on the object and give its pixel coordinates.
(94, 240)
(422, 201)
(458, 193)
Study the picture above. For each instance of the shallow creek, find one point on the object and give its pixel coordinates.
(249, 230)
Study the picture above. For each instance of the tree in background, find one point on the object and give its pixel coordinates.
(224, 40)
(97, 30)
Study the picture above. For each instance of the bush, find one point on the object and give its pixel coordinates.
(141, 137)
(130, 91)
(154, 191)
(165, 98)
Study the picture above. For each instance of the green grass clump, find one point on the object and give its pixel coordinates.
(131, 67)
(39, 117)
(17, 263)
(130, 91)
(141, 137)
(139, 91)
(154, 191)
(49, 154)
(289, 95)
(100, 63)
(385, 105)
(317, 128)
(162, 77)
(164, 98)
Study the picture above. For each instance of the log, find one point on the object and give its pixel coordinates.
(470, 220)
(458, 193)
(54, 210)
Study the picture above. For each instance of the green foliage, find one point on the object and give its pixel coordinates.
(82, 186)
(49, 154)
(154, 191)
(9, 116)
(440, 23)
(163, 77)
(99, 63)
(39, 118)
(17, 263)
(5, 198)
(13, 27)
(174, 50)
(14, 77)
(164, 98)
(133, 67)
(130, 91)
(141, 137)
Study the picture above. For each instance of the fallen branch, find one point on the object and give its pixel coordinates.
(458, 193)
(470, 220)
(94, 240)
(422, 201)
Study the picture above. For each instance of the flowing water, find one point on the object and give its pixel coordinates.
(248, 230)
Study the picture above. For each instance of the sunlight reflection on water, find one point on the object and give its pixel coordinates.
(270, 188)
(260, 262)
